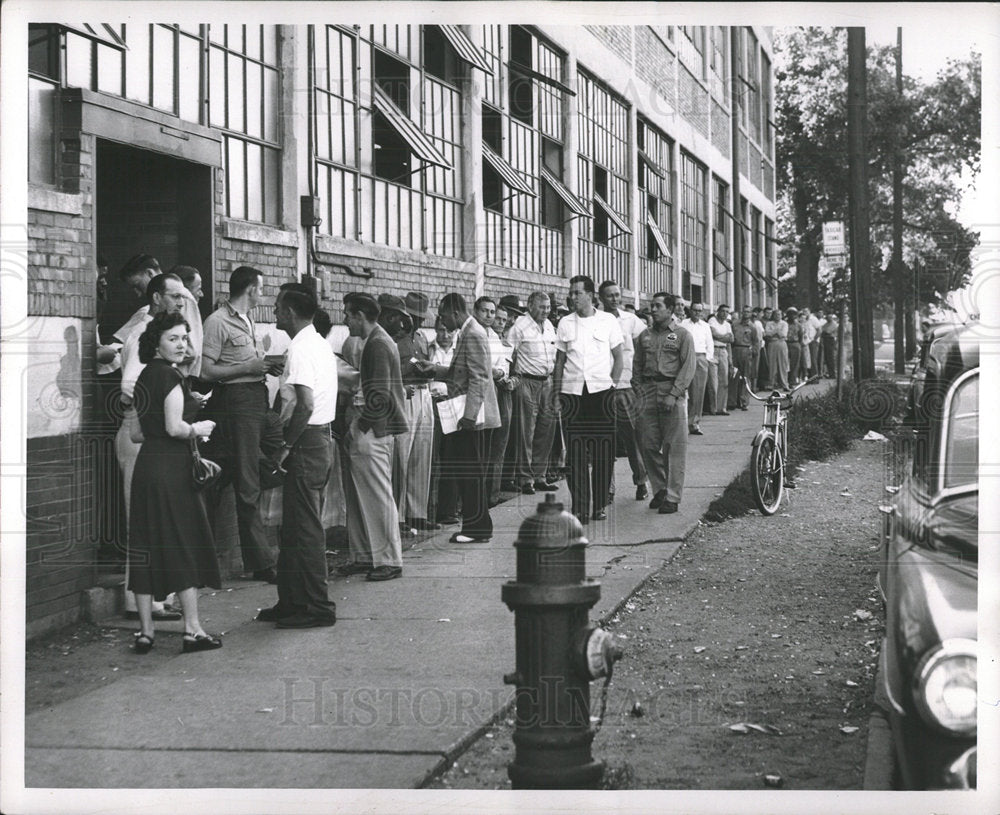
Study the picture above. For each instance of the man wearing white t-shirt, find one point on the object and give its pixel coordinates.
(610, 295)
(306, 453)
(704, 352)
(589, 360)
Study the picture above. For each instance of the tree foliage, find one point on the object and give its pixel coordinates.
(936, 126)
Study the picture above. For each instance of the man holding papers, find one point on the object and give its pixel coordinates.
(469, 376)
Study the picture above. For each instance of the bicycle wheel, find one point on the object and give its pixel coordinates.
(767, 475)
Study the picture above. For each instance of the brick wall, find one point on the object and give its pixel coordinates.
(61, 526)
(694, 101)
(617, 38)
(721, 131)
(654, 63)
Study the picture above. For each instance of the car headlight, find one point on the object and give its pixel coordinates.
(945, 687)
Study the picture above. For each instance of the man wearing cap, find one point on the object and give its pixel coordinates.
(743, 341)
(533, 343)
(663, 368)
(470, 375)
(377, 421)
(413, 449)
(610, 295)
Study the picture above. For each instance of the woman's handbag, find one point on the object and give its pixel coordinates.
(203, 471)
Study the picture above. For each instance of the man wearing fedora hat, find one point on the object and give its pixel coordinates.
(413, 449)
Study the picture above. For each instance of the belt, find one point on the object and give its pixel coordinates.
(536, 377)
(721, 344)
(658, 378)
(422, 387)
(701, 353)
(741, 346)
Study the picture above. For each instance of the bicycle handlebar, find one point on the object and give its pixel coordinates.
(776, 395)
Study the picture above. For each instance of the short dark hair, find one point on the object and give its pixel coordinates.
(185, 273)
(137, 264)
(722, 306)
(669, 300)
(158, 285)
(299, 298)
(322, 323)
(357, 302)
(453, 301)
(483, 299)
(588, 283)
(149, 340)
(605, 285)
(242, 278)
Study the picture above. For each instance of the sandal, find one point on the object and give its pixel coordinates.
(143, 643)
(199, 642)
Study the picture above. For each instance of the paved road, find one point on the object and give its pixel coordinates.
(410, 673)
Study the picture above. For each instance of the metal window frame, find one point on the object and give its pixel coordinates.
(466, 49)
(661, 242)
(614, 217)
(419, 142)
(507, 173)
(575, 205)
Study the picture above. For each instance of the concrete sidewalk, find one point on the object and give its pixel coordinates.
(407, 678)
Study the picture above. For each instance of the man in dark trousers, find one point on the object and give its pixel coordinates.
(589, 360)
(379, 420)
(307, 454)
(233, 360)
(469, 374)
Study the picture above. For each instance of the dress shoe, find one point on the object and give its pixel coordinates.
(583, 519)
(600, 515)
(268, 575)
(380, 573)
(355, 568)
(668, 508)
(199, 642)
(273, 614)
(696, 431)
(458, 537)
(544, 486)
(658, 499)
(744, 407)
(641, 492)
(306, 621)
(423, 525)
(527, 489)
(722, 413)
(508, 486)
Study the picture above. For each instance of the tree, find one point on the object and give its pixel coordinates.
(938, 125)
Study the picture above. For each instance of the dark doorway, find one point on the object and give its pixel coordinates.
(155, 204)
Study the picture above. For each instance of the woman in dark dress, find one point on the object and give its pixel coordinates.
(170, 538)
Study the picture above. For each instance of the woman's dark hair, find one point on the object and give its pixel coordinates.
(149, 340)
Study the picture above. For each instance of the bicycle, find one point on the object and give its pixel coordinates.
(770, 449)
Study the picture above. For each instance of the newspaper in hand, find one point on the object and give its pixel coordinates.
(450, 411)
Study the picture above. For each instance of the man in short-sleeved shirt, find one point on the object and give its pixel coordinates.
(610, 295)
(589, 360)
(233, 360)
(704, 353)
(306, 453)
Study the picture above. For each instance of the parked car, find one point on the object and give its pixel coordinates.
(928, 663)
(918, 375)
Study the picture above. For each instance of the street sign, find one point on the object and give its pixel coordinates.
(833, 238)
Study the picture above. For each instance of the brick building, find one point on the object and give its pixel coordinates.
(481, 159)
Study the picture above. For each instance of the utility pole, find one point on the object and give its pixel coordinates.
(899, 272)
(861, 287)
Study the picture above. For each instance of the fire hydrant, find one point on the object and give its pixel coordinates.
(558, 653)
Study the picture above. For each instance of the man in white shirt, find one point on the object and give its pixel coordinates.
(306, 454)
(533, 344)
(610, 295)
(704, 354)
(442, 501)
(491, 317)
(816, 323)
(718, 370)
(589, 360)
(757, 349)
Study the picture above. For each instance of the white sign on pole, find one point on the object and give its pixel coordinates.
(833, 238)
